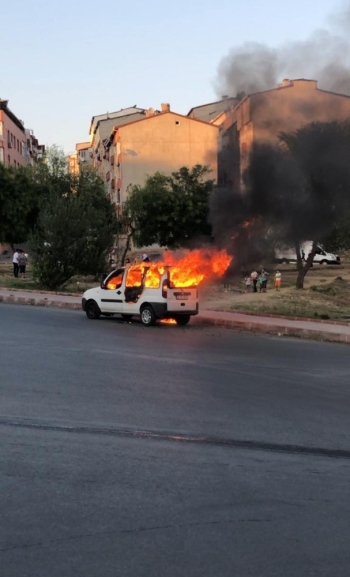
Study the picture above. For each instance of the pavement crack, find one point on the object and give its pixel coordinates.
(155, 435)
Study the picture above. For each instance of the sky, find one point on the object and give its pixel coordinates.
(64, 61)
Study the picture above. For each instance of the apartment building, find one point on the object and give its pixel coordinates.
(262, 116)
(161, 141)
(85, 155)
(100, 130)
(12, 137)
(73, 165)
(212, 111)
(18, 145)
(33, 150)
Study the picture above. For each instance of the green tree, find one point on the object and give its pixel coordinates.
(74, 231)
(19, 198)
(170, 210)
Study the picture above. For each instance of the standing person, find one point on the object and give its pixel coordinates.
(22, 263)
(264, 275)
(247, 283)
(15, 263)
(278, 280)
(254, 276)
(260, 282)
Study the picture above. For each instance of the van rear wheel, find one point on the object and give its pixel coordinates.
(182, 320)
(148, 317)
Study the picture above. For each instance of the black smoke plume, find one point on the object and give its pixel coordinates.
(325, 57)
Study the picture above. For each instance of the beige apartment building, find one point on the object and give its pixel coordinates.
(160, 141)
(262, 116)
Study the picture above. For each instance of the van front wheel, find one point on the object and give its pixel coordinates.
(148, 317)
(92, 310)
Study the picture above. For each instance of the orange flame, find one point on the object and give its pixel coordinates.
(187, 271)
(168, 321)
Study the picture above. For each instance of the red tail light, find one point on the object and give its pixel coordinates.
(165, 289)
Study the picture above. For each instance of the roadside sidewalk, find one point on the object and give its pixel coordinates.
(281, 326)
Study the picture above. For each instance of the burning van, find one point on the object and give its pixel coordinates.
(160, 290)
(145, 291)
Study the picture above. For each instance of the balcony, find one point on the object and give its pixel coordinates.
(108, 176)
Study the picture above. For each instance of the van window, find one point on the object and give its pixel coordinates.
(135, 277)
(115, 280)
(153, 277)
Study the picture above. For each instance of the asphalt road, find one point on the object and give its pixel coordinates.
(133, 451)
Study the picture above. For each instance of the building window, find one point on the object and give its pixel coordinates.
(1, 128)
(1, 155)
(8, 159)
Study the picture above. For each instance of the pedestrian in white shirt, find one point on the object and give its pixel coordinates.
(15, 263)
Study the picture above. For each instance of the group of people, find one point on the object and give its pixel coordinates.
(19, 260)
(259, 281)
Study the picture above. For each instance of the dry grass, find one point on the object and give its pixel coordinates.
(326, 295)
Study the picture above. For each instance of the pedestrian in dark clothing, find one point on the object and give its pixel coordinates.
(22, 263)
(264, 275)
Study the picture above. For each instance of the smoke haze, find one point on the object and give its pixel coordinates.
(325, 57)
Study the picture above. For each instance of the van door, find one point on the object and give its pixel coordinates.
(112, 292)
(133, 287)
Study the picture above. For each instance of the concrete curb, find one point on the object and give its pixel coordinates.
(291, 318)
(45, 302)
(277, 330)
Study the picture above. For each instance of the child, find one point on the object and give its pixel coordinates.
(247, 283)
(278, 279)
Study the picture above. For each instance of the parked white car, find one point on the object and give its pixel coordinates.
(287, 254)
(139, 291)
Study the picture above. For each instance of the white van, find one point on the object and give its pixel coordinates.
(140, 291)
(287, 254)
